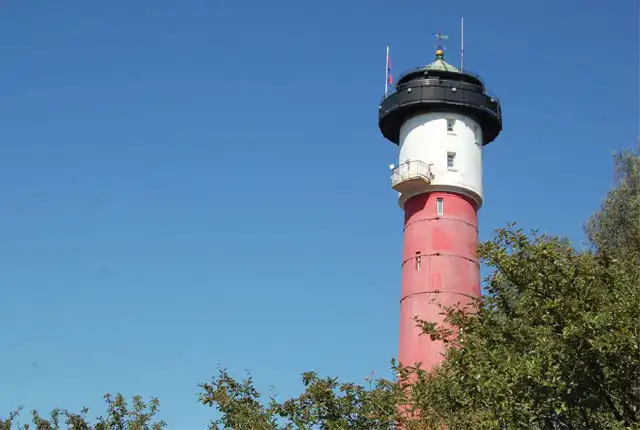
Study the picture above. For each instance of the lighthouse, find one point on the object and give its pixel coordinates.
(440, 117)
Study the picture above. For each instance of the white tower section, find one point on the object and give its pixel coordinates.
(449, 145)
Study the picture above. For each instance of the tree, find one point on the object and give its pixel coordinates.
(555, 344)
(119, 416)
(614, 229)
(325, 402)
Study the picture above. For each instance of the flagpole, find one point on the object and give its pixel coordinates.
(461, 43)
(386, 74)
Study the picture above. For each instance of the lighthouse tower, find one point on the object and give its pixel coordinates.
(440, 117)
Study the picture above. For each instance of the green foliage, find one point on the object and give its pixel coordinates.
(333, 405)
(555, 344)
(614, 231)
(325, 403)
(239, 402)
(119, 416)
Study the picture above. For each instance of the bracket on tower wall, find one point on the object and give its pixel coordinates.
(411, 176)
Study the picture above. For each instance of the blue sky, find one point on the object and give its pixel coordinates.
(186, 183)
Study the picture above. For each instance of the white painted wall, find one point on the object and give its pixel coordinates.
(425, 137)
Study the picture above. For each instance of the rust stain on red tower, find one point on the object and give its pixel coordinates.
(440, 117)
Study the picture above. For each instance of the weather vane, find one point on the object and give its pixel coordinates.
(440, 37)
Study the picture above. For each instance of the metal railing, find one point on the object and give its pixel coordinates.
(424, 68)
(411, 170)
(443, 83)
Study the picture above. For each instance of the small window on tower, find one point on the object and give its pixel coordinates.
(451, 160)
(418, 260)
(450, 124)
(439, 206)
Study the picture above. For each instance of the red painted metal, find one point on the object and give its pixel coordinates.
(439, 266)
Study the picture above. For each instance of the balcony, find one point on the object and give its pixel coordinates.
(425, 94)
(411, 176)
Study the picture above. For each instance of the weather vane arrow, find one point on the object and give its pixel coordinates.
(440, 37)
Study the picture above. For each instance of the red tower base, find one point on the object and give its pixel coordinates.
(439, 267)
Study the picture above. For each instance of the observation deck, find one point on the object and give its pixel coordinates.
(439, 87)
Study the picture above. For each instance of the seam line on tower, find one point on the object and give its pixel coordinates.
(438, 292)
(444, 254)
(439, 218)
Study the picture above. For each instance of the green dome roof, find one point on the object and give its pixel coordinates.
(440, 64)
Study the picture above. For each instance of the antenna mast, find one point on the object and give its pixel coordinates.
(461, 43)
